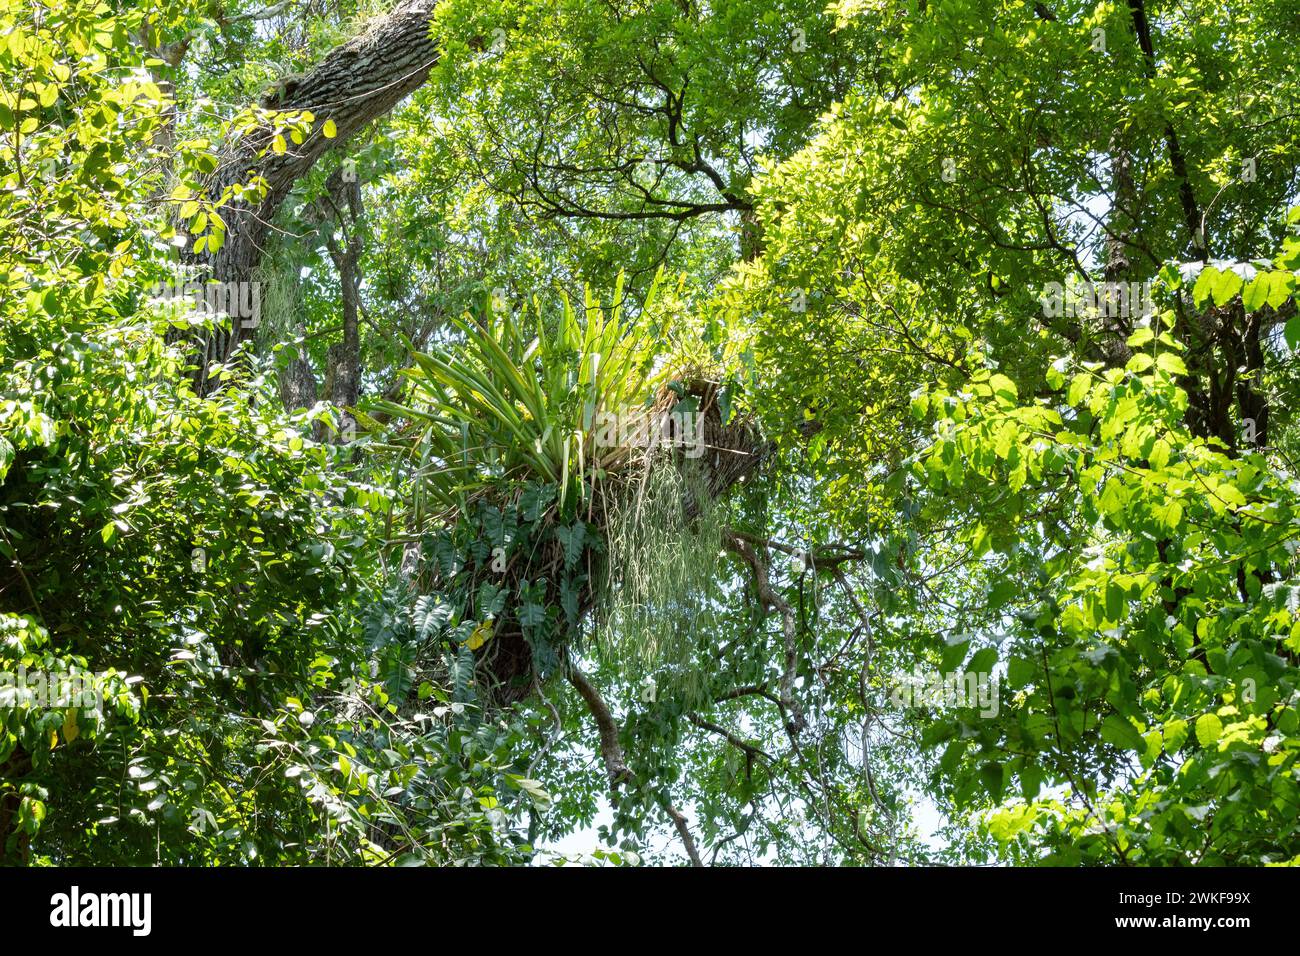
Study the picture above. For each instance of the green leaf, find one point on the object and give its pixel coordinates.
(1226, 285)
(1119, 732)
(1031, 780)
(1204, 287)
(1079, 386)
(1020, 671)
(953, 655)
(1208, 729)
(1256, 293)
(1171, 363)
(1291, 331)
(1004, 389)
(992, 776)
(532, 615)
(1175, 733)
(1280, 286)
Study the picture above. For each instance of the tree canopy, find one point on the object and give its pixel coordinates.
(762, 431)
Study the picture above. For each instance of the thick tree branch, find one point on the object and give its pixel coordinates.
(683, 829)
(772, 599)
(356, 83)
(611, 751)
(749, 749)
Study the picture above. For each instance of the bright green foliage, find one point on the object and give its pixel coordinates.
(1151, 653)
(209, 549)
(203, 559)
(1098, 524)
(512, 404)
(496, 620)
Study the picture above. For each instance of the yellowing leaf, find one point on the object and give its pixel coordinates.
(70, 729)
(482, 634)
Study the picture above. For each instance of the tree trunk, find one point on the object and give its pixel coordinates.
(357, 82)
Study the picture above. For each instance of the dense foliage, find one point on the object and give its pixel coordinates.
(753, 432)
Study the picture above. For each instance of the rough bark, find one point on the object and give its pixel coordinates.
(356, 83)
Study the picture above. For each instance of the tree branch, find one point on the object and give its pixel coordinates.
(767, 594)
(611, 751)
(356, 83)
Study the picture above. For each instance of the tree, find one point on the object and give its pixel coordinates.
(718, 427)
